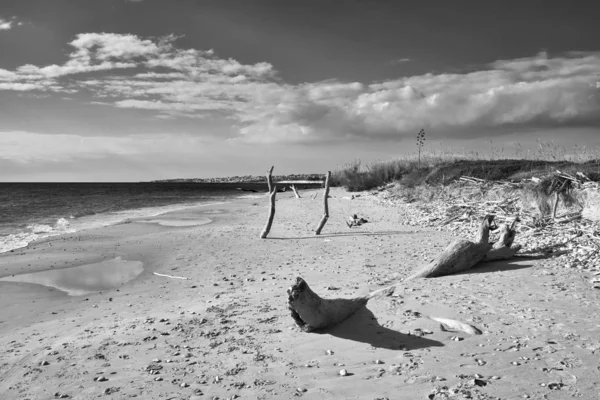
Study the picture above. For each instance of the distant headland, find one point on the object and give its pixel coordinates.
(248, 179)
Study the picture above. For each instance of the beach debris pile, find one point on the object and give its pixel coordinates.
(570, 236)
(354, 220)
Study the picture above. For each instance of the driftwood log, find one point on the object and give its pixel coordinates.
(272, 194)
(460, 255)
(503, 248)
(312, 312)
(325, 205)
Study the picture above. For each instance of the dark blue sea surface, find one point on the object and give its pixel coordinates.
(29, 211)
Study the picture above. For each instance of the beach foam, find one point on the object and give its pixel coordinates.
(63, 226)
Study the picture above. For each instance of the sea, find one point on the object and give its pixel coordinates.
(31, 211)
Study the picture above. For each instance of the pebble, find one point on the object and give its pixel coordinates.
(343, 372)
(301, 389)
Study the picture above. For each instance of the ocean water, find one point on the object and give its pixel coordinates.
(30, 211)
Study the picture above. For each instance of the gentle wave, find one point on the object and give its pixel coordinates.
(64, 226)
(34, 232)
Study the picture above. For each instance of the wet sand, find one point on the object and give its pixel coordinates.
(225, 332)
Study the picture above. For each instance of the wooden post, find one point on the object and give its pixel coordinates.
(272, 194)
(325, 205)
(295, 191)
(270, 178)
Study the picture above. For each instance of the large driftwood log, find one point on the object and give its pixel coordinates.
(325, 205)
(312, 312)
(460, 255)
(272, 194)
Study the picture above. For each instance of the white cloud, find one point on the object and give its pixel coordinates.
(401, 60)
(5, 24)
(153, 74)
(26, 147)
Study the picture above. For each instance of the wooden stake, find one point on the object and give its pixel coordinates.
(267, 228)
(295, 191)
(272, 194)
(270, 178)
(555, 205)
(325, 205)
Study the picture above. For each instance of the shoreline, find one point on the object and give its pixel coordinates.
(65, 225)
(231, 313)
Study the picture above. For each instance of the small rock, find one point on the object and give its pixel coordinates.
(301, 389)
(343, 372)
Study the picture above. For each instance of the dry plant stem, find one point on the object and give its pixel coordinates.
(295, 191)
(325, 205)
(555, 205)
(171, 276)
(267, 228)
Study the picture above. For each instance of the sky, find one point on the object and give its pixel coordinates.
(124, 90)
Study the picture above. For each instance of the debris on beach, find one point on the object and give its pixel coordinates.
(354, 220)
(571, 236)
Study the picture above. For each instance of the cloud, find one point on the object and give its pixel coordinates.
(401, 60)
(153, 74)
(26, 147)
(6, 24)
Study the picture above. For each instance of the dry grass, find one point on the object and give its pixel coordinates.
(444, 167)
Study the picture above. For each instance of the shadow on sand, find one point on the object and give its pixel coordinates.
(345, 234)
(503, 265)
(363, 327)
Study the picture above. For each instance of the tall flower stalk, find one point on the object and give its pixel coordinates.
(420, 143)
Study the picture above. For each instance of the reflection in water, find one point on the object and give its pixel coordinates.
(179, 222)
(90, 278)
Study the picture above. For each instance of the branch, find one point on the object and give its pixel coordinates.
(171, 276)
(267, 228)
(325, 205)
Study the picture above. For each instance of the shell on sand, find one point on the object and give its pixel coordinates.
(310, 311)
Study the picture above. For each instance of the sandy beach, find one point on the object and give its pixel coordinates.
(225, 331)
